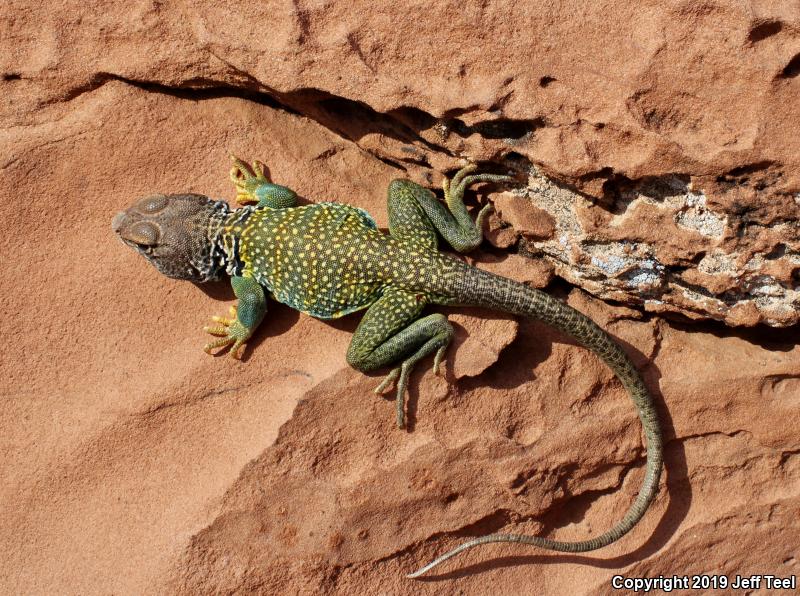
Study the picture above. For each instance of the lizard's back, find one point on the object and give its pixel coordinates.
(328, 259)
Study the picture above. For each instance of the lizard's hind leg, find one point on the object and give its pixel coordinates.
(454, 197)
(389, 334)
(415, 210)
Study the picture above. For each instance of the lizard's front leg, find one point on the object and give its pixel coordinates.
(389, 334)
(254, 186)
(247, 316)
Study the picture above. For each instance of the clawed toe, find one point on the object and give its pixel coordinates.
(246, 178)
(222, 342)
(399, 374)
(388, 380)
(230, 332)
(437, 360)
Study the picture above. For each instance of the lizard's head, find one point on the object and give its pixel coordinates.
(176, 233)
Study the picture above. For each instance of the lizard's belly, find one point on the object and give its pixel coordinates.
(318, 259)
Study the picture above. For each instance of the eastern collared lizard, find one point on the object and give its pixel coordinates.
(330, 259)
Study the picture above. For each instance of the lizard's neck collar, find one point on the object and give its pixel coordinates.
(216, 261)
(226, 230)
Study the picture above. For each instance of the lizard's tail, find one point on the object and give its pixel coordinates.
(480, 288)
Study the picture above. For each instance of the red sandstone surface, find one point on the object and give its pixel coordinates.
(133, 463)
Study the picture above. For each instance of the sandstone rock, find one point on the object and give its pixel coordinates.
(479, 339)
(527, 220)
(535, 272)
(358, 504)
(498, 233)
(665, 150)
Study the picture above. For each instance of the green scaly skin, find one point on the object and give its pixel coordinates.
(329, 260)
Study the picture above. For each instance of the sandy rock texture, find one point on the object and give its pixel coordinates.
(656, 148)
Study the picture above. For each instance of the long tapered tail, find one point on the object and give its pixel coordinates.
(473, 287)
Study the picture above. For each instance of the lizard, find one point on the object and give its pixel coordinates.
(329, 259)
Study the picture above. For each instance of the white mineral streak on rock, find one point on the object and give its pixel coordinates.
(682, 266)
(697, 216)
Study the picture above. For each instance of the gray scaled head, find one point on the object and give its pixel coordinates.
(176, 233)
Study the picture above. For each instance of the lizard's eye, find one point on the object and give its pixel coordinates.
(152, 204)
(142, 233)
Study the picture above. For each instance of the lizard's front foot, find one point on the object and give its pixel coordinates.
(231, 333)
(254, 186)
(247, 179)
